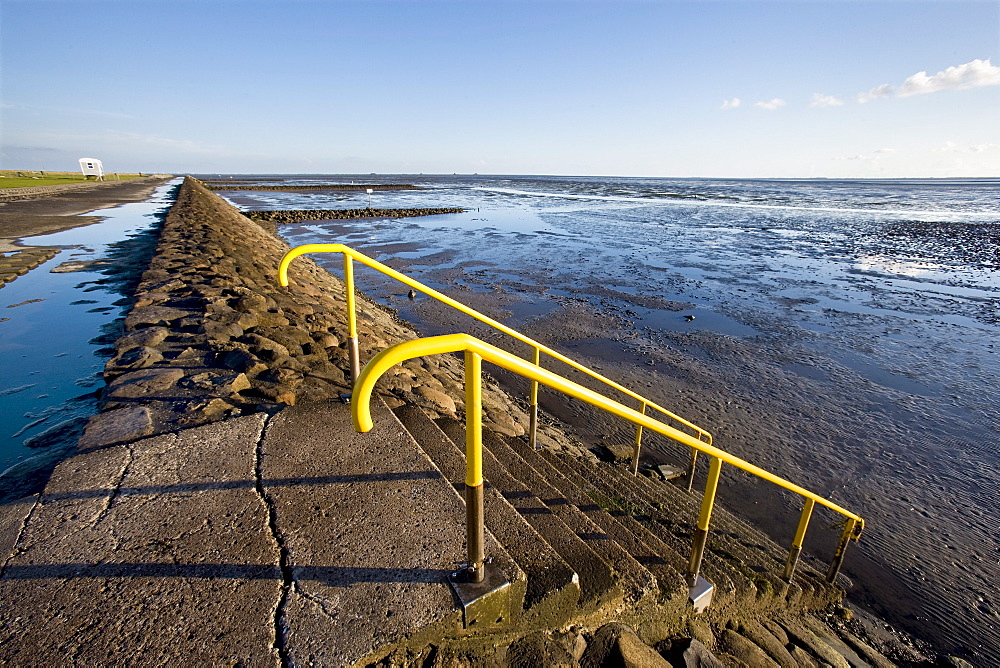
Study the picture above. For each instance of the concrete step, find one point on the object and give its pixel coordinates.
(553, 589)
(679, 519)
(670, 580)
(369, 531)
(745, 548)
(759, 551)
(636, 514)
(598, 581)
(635, 579)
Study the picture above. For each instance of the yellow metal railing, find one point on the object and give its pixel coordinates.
(475, 351)
(537, 348)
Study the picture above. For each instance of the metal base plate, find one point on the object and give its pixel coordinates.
(700, 595)
(485, 603)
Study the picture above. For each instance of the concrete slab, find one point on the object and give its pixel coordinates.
(370, 529)
(158, 551)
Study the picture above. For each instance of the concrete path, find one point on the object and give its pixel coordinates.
(257, 540)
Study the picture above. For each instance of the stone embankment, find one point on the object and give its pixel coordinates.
(295, 215)
(212, 335)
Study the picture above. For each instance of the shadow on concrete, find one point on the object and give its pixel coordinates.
(333, 576)
(244, 484)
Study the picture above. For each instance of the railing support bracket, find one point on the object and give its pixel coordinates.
(700, 595)
(485, 603)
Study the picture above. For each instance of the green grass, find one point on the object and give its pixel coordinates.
(13, 178)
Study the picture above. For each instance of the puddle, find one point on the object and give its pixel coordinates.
(54, 345)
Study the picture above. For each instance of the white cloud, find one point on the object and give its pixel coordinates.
(885, 90)
(819, 100)
(731, 104)
(770, 105)
(974, 74)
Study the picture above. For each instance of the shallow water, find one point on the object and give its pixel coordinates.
(53, 348)
(843, 336)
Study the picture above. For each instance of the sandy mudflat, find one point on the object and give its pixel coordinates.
(48, 213)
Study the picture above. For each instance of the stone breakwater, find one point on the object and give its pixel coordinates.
(212, 335)
(296, 215)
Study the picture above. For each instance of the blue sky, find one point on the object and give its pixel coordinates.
(640, 88)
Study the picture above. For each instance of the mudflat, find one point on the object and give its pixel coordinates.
(53, 208)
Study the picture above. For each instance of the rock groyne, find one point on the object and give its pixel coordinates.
(296, 215)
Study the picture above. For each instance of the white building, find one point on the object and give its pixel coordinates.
(92, 167)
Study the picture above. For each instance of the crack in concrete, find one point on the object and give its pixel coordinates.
(114, 491)
(280, 627)
(15, 546)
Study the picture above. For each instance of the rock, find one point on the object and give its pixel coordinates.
(286, 397)
(690, 653)
(218, 382)
(538, 649)
(436, 397)
(637, 654)
(243, 361)
(133, 358)
(219, 331)
(801, 635)
(150, 316)
(117, 426)
(148, 337)
(65, 432)
(215, 407)
(701, 632)
(617, 452)
(804, 658)
(744, 650)
(753, 631)
(264, 348)
(616, 644)
(827, 635)
(136, 384)
(326, 340)
(331, 373)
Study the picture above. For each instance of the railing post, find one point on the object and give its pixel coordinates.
(838, 557)
(800, 536)
(701, 532)
(474, 466)
(352, 320)
(533, 403)
(638, 442)
(690, 476)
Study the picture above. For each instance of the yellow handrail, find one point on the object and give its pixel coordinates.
(477, 349)
(350, 253)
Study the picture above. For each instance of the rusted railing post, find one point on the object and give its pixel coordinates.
(800, 536)
(701, 532)
(474, 518)
(838, 557)
(352, 320)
